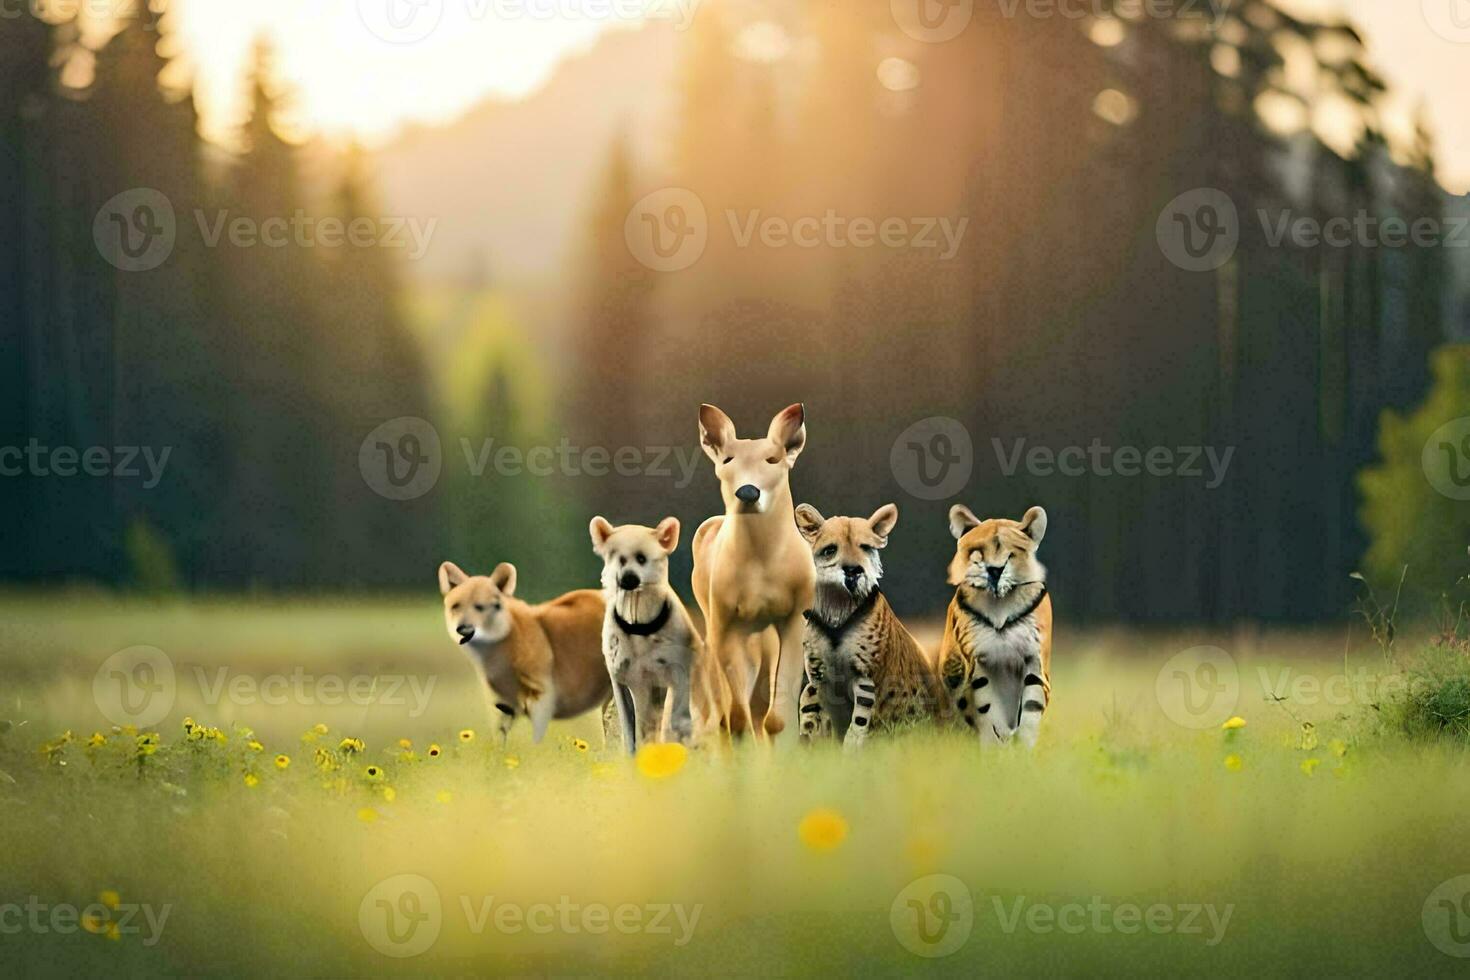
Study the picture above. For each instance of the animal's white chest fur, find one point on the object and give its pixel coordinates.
(1007, 649)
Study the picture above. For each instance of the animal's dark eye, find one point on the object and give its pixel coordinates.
(622, 559)
(774, 460)
(454, 608)
(640, 559)
(479, 608)
(495, 607)
(867, 547)
(728, 458)
(827, 552)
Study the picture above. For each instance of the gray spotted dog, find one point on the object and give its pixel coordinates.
(655, 657)
(864, 670)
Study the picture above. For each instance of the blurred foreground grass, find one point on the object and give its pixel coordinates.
(1321, 846)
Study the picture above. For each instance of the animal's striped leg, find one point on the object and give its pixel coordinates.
(814, 721)
(864, 696)
(1034, 698)
(956, 675)
(507, 717)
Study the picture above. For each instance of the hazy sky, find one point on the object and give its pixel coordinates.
(368, 66)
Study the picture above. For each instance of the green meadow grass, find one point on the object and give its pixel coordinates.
(1323, 868)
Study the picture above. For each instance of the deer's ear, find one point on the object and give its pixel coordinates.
(600, 529)
(716, 432)
(1034, 524)
(450, 575)
(883, 521)
(788, 431)
(504, 578)
(667, 533)
(809, 521)
(961, 520)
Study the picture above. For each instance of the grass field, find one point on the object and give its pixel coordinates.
(1140, 838)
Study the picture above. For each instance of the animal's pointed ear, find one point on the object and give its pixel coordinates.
(961, 520)
(809, 521)
(450, 575)
(1034, 524)
(600, 529)
(883, 521)
(667, 533)
(716, 432)
(504, 578)
(788, 431)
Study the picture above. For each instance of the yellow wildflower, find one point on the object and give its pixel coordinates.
(660, 760)
(1309, 766)
(374, 772)
(1338, 746)
(252, 780)
(511, 762)
(97, 739)
(367, 814)
(94, 923)
(1233, 723)
(319, 729)
(434, 750)
(254, 746)
(390, 794)
(443, 796)
(822, 829)
(282, 761)
(1233, 762)
(467, 735)
(113, 932)
(580, 744)
(110, 898)
(405, 743)
(351, 745)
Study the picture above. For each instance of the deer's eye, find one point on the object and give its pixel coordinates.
(479, 608)
(868, 548)
(774, 460)
(828, 552)
(729, 458)
(454, 608)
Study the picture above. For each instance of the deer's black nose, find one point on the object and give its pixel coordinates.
(748, 493)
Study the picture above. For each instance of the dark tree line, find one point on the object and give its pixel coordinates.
(1061, 320)
(259, 369)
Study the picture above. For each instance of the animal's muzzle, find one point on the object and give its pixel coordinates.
(628, 582)
(748, 494)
